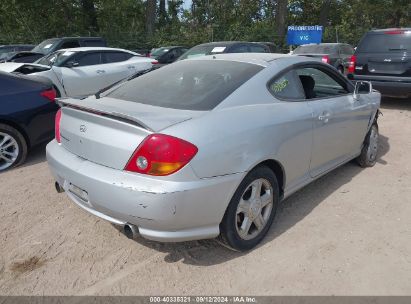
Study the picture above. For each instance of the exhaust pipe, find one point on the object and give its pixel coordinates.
(59, 188)
(130, 230)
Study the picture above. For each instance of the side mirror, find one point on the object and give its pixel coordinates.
(362, 87)
(71, 64)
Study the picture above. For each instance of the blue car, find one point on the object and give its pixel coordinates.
(27, 110)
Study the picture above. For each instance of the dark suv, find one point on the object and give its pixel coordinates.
(54, 44)
(384, 58)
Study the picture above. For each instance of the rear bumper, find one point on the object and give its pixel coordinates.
(162, 210)
(387, 87)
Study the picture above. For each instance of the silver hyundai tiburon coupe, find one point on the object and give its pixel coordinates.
(208, 146)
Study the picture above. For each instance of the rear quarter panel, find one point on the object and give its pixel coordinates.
(33, 114)
(234, 139)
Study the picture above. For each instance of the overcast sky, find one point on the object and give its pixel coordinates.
(187, 4)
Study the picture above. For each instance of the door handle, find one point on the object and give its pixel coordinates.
(324, 117)
(100, 71)
(131, 67)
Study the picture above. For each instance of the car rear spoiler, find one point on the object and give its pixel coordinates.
(72, 103)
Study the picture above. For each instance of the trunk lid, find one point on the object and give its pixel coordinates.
(107, 131)
(10, 66)
(383, 64)
(384, 53)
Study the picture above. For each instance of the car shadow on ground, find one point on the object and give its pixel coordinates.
(35, 156)
(395, 104)
(291, 211)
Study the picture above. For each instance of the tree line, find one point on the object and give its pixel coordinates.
(137, 24)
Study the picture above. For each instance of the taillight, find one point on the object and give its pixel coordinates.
(154, 62)
(394, 32)
(57, 126)
(325, 59)
(351, 64)
(49, 94)
(161, 154)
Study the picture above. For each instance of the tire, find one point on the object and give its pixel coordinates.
(13, 147)
(369, 151)
(237, 232)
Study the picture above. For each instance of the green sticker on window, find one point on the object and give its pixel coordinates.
(279, 85)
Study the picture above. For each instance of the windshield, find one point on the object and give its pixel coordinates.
(202, 50)
(4, 52)
(187, 85)
(382, 43)
(45, 46)
(56, 58)
(158, 52)
(315, 49)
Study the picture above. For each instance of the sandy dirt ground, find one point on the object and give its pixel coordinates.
(348, 233)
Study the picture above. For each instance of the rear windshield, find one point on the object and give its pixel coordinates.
(382, 43)
(202, 50)
(315, 49)
(198, 85)
(94, 42)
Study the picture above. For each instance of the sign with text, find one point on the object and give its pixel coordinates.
(304, 34)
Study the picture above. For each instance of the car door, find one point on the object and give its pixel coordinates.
(116, 67)
(297, 125)
(82, 74)
(339, 120)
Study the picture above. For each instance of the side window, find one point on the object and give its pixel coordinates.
(111, 57)
(174, 53)
(70, 44)
(255, 48)
(287, 86)
(93, 42)
(181, 52)
(88, 59)
(239, 49)
(318, 84)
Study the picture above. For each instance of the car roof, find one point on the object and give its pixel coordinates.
(263, 59)
(169, 47)
(14, 45)
(226, 43)
(391, 29)
(326, 44)
(95, 48)
(91, 38)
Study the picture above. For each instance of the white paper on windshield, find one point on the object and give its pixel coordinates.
(68, 53)
(218, 49)
(47, 46)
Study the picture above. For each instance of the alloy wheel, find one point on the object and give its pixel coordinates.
(254, 209)
(373, 144)
(9, 151)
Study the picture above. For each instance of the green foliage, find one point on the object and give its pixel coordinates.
(122, 22)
